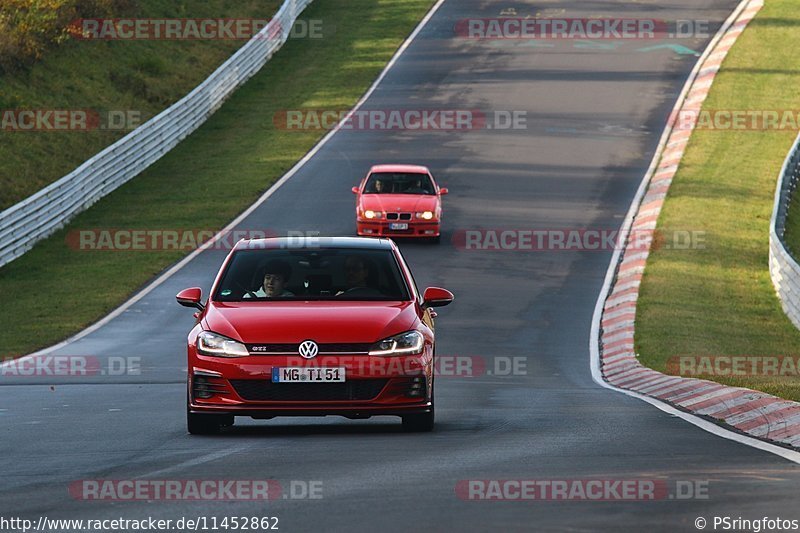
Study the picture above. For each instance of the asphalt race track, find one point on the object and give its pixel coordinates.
(594, 118)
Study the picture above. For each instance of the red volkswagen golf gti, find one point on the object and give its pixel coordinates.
(312, 327)
(399, 201)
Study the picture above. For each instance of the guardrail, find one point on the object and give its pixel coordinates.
(38, 216)
(783, 268)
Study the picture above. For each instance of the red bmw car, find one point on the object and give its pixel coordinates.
(314, 327)
(399, 201)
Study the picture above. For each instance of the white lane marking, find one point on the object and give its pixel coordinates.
(594, 339)
(197, 461)
(186, 260)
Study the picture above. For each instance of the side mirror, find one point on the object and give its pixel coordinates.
(436, 297)
(191, 298)
(443, 190)
(355, 190)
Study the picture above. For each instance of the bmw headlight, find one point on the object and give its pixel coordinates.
(410, 342)
(372, 214)
(209, 343)
(425, 215)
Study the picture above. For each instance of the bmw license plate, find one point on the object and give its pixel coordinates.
(398, 225)
(308, 375)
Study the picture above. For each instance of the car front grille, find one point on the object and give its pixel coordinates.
(330, 348)
(398, 216)
(259, 390)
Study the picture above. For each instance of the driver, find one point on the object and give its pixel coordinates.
(276, 275)
(356, 274)
(418, 187)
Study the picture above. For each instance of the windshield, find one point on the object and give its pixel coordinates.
(332, 274)
(399, 183)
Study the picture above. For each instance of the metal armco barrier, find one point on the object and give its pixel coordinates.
(783, 268)
(33, 219)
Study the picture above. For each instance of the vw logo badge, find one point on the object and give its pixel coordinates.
(308, 349)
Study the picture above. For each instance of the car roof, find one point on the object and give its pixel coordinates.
(400, 168)
(363, 243)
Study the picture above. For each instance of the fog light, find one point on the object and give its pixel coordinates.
(205, 387)
(417, 387)
(367, 231)
(201, 388)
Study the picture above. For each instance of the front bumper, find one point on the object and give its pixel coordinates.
(382, 228)
(323, 410)
(373, 386)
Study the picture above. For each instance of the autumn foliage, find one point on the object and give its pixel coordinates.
(28, 28)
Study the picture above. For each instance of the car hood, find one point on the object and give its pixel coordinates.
(322, 322)
(394, 203)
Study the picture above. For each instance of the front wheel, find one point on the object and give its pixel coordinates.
(420, 422)
(202, 424)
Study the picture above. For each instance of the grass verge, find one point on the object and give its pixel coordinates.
(54, 291)
(719, 301)
(141, 78)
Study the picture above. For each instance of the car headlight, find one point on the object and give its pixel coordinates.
(410, 342)
(209, 343)
(425, 215)
(372, 214)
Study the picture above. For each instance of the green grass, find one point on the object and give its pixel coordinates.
(54, 291)
(720, 300)
(142, 76)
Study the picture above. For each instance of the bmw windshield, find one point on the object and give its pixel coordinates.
(399, 183)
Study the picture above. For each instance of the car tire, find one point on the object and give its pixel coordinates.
(420, 422)
(201, 424)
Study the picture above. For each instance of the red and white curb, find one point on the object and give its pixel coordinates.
(614, 362)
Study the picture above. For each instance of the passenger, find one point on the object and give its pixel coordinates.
(276, 274)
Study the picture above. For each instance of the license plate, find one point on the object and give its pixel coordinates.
(398, 225)
(308, 375)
